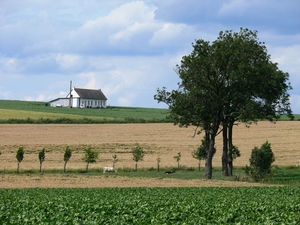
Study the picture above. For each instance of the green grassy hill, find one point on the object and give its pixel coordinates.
(12, 111)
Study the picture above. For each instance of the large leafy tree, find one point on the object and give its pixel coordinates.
(254, 86)
(231, 79)
(197, 102)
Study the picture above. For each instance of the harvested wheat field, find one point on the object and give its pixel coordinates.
(158, 140)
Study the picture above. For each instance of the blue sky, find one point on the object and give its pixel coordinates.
(129, 48)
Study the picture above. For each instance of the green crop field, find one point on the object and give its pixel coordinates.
(41, 112)
(211, 205)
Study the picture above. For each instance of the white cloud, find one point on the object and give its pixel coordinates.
(128, 48)
(123, 28)
(129, 13)
(89, 80)
(69, 61)
(5, 94)
(172, 34)
(288, 59)
(233, 7)
(295, 103)
(11, 65)
(287, 56)
(126, 100)
(40, 98)
(63, 93)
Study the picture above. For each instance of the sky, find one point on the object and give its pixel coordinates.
(129, 48)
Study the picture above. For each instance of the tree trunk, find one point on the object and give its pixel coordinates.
(230, 159)
(87, 167)
(208, 164)
(230, 167)
(225, 151)
(40, 167)
(199, 165)
(65, 167)
(18, 168)
(136, 166)
(157, 167)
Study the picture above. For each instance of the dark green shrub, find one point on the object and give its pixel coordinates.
(260, 162)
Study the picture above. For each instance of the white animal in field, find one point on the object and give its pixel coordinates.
(109, 169)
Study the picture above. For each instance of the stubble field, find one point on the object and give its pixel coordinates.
(158, 140)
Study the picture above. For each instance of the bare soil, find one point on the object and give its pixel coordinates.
(158, 140)
(72, 181)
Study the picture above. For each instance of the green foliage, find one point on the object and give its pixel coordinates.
(260, 162)
(201, 152)
(138, 154)
(229, 205)
(196, 154)
(42, 156)
(20, 154)
(90, 156)
(20, 157)
(234, 152)
(67, 156)
(177, 158)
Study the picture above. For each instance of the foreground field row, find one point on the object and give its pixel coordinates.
(239, 205)
(158, 140)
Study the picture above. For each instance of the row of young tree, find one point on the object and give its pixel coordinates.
(231, 80)
(260, 161)
(90, 156)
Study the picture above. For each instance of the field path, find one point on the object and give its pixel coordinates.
(72, 181)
